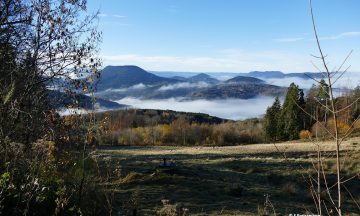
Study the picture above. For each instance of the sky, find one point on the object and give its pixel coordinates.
(227, 35)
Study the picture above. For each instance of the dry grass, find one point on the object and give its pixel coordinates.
(227, 180)
(302, 146)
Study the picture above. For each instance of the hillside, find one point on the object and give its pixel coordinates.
(114, 77)
(239, 90)
(244, 79)
(202, 77)
(61, 100)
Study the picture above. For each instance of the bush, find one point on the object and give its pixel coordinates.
(305, 134)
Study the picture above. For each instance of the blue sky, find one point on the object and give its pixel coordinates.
(227, 35)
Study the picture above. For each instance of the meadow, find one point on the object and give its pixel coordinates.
(231, 180)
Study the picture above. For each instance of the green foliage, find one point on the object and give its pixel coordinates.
(290, 122)
(271, 121)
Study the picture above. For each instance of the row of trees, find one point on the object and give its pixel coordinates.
(182, 132)
(284, 122)
(301, 117)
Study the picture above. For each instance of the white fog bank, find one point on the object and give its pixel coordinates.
(235, 109)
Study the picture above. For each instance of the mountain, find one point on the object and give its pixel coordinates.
(280, 75)
(202, 77)
(306, 75)
(116, 77)
(257, 74)
(266, 74)
(180, 78)
(244, 79)
(59, 99)
(238, 90)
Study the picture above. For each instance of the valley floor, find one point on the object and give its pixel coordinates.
(233, 180)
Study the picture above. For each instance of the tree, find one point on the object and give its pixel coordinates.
(290, 122)
(43, 44)
(271, 121)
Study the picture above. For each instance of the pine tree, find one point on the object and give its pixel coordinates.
(290, 119)
(271, 121)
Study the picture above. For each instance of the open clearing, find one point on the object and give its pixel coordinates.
(232, 180)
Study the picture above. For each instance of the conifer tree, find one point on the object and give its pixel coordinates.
(272, 121)
(290, 119)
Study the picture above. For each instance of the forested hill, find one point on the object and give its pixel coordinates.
(144, 117)
(113, 77)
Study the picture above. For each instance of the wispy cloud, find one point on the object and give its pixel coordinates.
(332, 37)
(183, 85)
(285, 40)
(111, 15)
(118, 16)
(139, 86)
(341, 36)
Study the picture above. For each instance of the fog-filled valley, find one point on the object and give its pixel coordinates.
(227, 95)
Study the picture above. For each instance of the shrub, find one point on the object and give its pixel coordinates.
(343, 127)
(305, 134)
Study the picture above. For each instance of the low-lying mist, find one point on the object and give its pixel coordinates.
(235, 109)
(348, 80)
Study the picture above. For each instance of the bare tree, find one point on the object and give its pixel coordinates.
(44, 44)
(331, 77)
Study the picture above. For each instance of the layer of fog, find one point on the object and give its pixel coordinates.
(139, 86)
(347, 81)
(81, 111)
(183, 85)
(235, 109)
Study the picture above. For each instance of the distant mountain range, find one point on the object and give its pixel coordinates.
(118, 82)
(256, 74)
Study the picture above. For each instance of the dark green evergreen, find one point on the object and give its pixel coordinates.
(271, 121)
(290, 122)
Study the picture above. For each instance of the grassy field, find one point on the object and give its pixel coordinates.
(232, 180)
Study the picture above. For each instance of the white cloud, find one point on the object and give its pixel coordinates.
(340, 36)
(235, 109)
(134, 87)
(183, 85)
(139, 86)
(111, 15)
